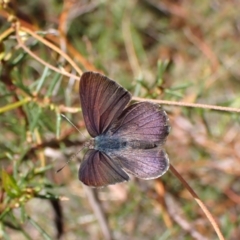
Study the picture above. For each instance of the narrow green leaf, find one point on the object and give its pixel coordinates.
(10, 185)
(36, 225)
(14, 105)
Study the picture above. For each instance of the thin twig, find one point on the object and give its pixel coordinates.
(175, 212)
(98, 211)
(55, 48)
(193, 105)
(26, 49)
(6, 33)
(21, 44)
(199, 202)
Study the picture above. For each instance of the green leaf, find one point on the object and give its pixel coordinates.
(10, 185)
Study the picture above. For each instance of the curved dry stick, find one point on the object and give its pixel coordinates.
(193, 105)
(6, 33)
(53, 47)
(98, 211)
(199, 202)
(26, 49)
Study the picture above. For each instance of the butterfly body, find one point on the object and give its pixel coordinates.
(109, 144)
(127, 139)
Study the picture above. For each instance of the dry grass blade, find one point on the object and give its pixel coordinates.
(199, 202)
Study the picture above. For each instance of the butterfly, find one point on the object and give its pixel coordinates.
(126, 139)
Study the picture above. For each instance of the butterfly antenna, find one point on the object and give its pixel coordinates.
(73, 156)
(66, 118)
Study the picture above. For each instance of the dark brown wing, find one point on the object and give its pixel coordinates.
(144, 126)
(102, 101)
(143, 163)
(98, 170)
(143, 121)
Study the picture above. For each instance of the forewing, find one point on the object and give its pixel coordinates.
(143, 121)
(143, 163)
(102, 101)
(98, 170)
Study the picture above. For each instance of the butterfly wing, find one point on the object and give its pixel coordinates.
(98, 170)
(143, 121)
(144, 126)
(143, 163)
(102, 101)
